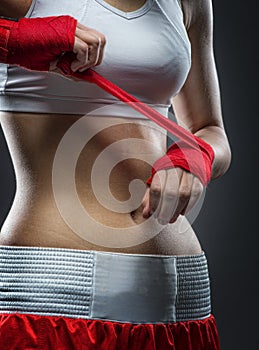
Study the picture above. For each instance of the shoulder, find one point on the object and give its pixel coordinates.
(14, 8)
(196, 12)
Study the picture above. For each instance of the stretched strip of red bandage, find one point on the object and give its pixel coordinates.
(34, 43)
(92, 76)
(190, 161)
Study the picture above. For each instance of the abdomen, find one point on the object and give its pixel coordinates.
(74, 185)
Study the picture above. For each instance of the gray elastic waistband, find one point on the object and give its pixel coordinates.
(107, 286)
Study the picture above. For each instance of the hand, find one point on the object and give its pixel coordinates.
(88, 47)
(173, 192)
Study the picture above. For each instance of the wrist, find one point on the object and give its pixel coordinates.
(33, 43)
(197, 161)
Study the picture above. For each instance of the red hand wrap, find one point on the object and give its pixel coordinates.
(34, 42)
(193, 154)
(198, 162)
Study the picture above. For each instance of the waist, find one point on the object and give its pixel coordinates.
(99, 285)
(71, 184)
(117, 232)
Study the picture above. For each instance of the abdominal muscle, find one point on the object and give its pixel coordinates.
(68, 212)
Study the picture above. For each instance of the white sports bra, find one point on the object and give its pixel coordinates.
(147, 53)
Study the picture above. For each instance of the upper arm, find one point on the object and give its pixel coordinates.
(14, 8)
(198, 103)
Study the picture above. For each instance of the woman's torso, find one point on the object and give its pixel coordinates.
(63, 164)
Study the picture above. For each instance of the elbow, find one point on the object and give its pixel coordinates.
(222, 160)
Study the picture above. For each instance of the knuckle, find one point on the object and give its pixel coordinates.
(83, 48)
(196, 193)
(103, 39)
(197, 188)
(96, 42)
(81, 55)
(92, 60)
(155, 190)
(170, 194)
(184, 192)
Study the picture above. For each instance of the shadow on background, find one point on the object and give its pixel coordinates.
(227, 225)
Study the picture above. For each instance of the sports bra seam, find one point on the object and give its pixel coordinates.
(180, 4)
(68, 98)
(84, 14)
(131, 15)
(31, 8)
(175, 29)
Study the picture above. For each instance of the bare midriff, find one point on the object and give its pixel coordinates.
(44, 212)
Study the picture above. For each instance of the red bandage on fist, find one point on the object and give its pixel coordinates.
(196, 161)
(34, 42)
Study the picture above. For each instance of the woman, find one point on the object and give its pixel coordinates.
(88, 260)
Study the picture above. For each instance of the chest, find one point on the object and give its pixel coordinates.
(147, 50)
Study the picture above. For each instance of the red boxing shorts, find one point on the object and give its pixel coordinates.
(67, 299)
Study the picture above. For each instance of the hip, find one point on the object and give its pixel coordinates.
(43, 226)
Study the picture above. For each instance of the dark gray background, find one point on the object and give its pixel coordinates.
(227, 225)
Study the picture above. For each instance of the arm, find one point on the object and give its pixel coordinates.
(21, 43)
(197, 107)
(14, 8)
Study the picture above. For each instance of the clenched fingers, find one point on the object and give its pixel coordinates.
(184, 194)
(173, 192)
(156, 190)
(88, 47)
(170, 202)
(196, 192)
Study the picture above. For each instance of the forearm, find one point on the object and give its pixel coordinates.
(33, 43)
(216, 137)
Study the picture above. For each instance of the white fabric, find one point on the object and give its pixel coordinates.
(147, 53)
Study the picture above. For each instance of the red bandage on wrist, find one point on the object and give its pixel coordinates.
(196, 161)
(191, 153)
(34, 42)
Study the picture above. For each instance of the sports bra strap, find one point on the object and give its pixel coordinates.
(173, 11)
